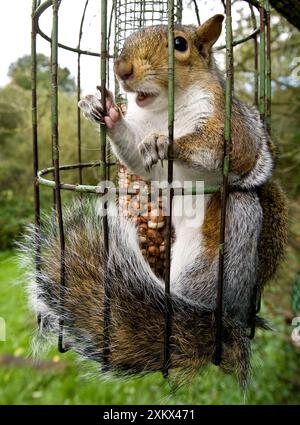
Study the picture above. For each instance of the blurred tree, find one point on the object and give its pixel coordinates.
(13, 100)
(20, 73)
(16, 194)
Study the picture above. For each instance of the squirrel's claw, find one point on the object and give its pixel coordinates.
(92, 108)
(153, 148)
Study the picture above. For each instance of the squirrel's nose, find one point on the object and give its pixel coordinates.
(123, 69)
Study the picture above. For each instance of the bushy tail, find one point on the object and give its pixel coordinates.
(137, 301)
(274, 235)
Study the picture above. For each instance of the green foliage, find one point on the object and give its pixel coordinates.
(59, 379)
(16, 178)
(13, 107)
(20, 74)
(296, 295)
(14, 216)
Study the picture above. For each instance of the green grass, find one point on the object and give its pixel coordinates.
(60, 379)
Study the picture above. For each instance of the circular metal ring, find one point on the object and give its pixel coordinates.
(95, 188)
(47, 3)
(84, 188)
(39, 11)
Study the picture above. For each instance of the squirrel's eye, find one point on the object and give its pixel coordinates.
(180, 44)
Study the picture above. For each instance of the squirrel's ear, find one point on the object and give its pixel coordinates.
(209, 32)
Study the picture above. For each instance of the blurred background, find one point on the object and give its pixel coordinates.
(57, 378)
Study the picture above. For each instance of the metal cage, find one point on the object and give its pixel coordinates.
(123, 18)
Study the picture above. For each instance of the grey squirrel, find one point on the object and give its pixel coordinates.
(256, 222)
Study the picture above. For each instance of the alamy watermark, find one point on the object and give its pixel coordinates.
(135, 198)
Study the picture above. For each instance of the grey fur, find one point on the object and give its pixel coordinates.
(244, 222)
(137, 301)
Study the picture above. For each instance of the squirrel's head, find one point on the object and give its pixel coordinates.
(142, 67)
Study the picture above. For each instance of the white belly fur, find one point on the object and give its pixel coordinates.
(190, 111)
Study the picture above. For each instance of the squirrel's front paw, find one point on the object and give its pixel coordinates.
(92, 109)
(152, 149)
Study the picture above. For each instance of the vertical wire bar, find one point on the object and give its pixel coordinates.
(103, 73)
(126, 24)
(168, 312)
(133, 17)
(262, 70)
(109, 38)
(197, 12)
(255, 45)
(268, 68)
(117, 47)
(265, 111)
(161, 11)
(55, 156)
(108, 150)
(179, 12)
(152, 11)
(144, 12)
(79, 155)
(35, 154)
(224, 190)
(140, 18)
(224, 5)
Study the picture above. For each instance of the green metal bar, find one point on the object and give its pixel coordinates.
(79, 152)
(98, 189)
(265, 113)
(255, 46)
(268, 67)
(109, 154)
(171, 99)
(116, 53)
(224, 190)
(103, 173)
(35, 153)
(39, 11)
(197, 12)
(240, 41)
(55, 158)
(262, 70)
(179, 11)
(109, 38)
(228, 88)
(42, 7)
(103, 71)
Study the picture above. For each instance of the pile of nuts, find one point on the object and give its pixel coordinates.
(147, 215)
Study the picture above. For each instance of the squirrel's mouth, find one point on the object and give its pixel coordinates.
(144, 99)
